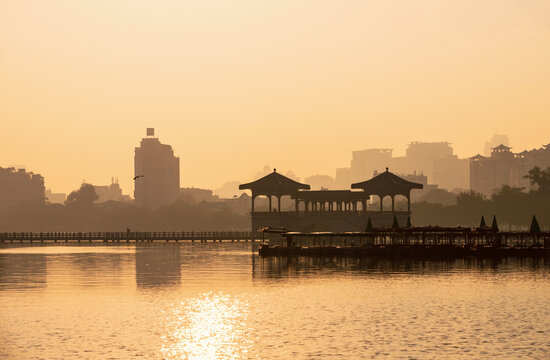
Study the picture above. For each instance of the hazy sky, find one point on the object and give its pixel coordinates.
(234, 85)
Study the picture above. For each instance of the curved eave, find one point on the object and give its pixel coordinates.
(379, 186)
(254, 187)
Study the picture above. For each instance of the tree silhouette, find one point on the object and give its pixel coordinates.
(535, 228)
(83, 197)
(369, 226)
(470, 200)
(395, 224)
(494, 225)
(482, 223)
(539, 177)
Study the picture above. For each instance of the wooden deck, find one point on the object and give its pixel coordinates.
(414, 241)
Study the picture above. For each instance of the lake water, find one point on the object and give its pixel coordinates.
(219, 301)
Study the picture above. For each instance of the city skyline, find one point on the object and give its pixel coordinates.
(341, 182)
(81, 80)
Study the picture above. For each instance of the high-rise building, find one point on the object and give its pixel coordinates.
(157, 173)
(434, 159)
(365, 162)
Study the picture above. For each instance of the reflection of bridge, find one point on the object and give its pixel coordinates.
(121, 237)
(329, 210)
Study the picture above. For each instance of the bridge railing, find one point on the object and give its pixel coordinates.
(136, 236)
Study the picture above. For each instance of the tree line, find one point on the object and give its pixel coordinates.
(513, 207)
(81, 213)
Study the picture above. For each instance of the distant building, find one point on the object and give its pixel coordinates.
(420, 179)
(496, 140)
(320, 182)
(228, 190)
(157, 173)
(343, 178)
(55, 198)
(18, 187)
(433, 159)
(198, 195)
(111, 192)
(437, 161)
(365, 162)
(239, 204)
(504, 167)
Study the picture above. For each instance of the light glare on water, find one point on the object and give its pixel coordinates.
(218, 301)
(210, 326)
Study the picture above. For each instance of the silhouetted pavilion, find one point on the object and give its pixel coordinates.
(327, 210)
(271, 185)
(388, 184)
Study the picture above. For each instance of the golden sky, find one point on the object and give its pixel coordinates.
(235, 85)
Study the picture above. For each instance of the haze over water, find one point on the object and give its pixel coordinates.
(218, 301)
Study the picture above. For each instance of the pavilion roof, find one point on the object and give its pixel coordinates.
(387, 183)
(274, 183)
(502, 147)
(479, 157)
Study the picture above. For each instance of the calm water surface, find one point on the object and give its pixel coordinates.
(218, 301)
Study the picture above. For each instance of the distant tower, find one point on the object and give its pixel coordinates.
(159, 170)
(496, 140)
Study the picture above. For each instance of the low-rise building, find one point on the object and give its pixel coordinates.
(19, 187)
(503, 167)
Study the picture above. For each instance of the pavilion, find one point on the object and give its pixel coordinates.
(388, 184)
(271, 185)
(328, 210)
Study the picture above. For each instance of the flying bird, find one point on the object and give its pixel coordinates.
(137, 177)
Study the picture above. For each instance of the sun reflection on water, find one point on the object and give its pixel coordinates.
(209, 326)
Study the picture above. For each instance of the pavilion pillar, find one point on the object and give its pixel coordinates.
(409, 202)
(393, 203)
(278, 203)
(270, 207)
(364, 202)
(296, 203)
(253, 198)
(381, 202)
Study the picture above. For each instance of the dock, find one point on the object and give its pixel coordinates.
(430, 242)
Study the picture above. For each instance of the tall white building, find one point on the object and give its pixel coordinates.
(157, 173)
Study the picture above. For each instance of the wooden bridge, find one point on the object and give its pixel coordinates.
(125, 237)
